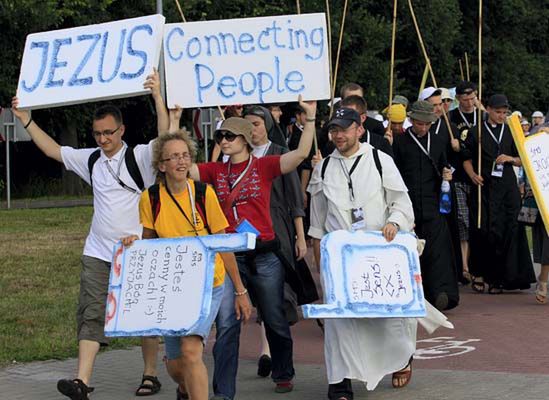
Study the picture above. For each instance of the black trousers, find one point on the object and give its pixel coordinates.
(341, 389)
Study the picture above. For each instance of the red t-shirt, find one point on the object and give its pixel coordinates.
(253, 201)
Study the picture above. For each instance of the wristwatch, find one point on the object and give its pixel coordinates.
(395, 225)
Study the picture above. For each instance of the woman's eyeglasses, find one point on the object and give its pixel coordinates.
(228, 136)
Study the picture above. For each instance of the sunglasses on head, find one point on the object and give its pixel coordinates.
(228, 136)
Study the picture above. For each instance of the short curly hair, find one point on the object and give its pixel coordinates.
(161, 141)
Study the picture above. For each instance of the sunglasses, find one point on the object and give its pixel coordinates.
(228, 136)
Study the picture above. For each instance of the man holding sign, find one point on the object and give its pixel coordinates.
(118, 174)
(359, 188)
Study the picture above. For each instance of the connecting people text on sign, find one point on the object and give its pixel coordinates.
(251, 60)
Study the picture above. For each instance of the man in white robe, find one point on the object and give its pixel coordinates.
(353, 184)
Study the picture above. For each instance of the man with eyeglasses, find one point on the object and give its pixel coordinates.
(115, 201)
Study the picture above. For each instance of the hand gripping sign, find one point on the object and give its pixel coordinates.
(164, 286)
(87, 63)
(364, 276)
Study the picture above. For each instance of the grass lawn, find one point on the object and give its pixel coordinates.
(39, 281)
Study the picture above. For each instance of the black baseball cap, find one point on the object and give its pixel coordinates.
(344, 117)
(465, 87)
(498, 101)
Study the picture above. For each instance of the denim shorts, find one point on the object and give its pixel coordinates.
(173, 343)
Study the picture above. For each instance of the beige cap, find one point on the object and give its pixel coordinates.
(445, 94)
(238, 126)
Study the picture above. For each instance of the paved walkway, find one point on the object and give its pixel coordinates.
(497, 351)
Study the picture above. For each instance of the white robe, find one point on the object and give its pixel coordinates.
(370, 348)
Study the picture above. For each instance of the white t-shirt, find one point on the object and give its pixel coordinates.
(115, 209)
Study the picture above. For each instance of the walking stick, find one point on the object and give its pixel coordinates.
(393, 38)
(479, 119)
(337, 56)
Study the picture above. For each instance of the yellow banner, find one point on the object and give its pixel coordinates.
(534, 154)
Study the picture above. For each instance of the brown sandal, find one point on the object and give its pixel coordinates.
(404, 374)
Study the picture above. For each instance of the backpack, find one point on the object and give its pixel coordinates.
(131, 164)
(199, 201)
(376, 161)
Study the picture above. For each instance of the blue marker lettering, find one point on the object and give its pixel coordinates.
(278, 78)
(317, 40)
(75, 81)
(199, 86)
(247, 40)
(224, 36)
(138, 53)
(291, 80)
(262, 77)
(45, 46)
(209, 39)
(260, 37)
(301, 33)
(226, 82)
(241, 84)
(57, 43)
(169, 42)
(198, 47)
(118, 57)
(275, 29)
(291, 36)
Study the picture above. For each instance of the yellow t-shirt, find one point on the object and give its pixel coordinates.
(171, 223)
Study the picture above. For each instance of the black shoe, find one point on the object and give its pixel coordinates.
(75, 389)
(264, 366)
(441, 302)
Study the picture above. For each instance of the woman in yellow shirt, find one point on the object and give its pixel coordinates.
(178, 216)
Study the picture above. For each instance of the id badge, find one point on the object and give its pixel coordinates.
(497, 170)
(357, 219)
(246, 227)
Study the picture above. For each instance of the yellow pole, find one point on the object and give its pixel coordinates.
(393, 39)
(337, 56)
(479, 119)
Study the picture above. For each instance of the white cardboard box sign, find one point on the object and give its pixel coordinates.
(89, 63)
(164, 286)
(247, 60)
(364, 276)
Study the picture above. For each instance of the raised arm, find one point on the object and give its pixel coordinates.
(162, 120)
(45, 143)
(290, 160)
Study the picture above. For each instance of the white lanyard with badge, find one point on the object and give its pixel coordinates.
(497, 169)
(357, 213)
(427, 151)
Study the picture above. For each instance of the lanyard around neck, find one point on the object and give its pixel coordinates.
(426, 151)
(498, 142)
(241, 174)
(348, 174)
(193, 207)
(116, 175)
(466, 120)
(438, 126)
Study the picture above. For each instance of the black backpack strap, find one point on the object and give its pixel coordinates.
(200, 201)
(378, 163)
(91, 162)
(324, 166)
(154, 198)
(133, 169)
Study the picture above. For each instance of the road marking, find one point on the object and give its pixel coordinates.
(444, 346)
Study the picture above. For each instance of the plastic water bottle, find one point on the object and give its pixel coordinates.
(445, 198)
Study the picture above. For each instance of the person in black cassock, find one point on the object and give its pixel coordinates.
(500, 255)
(421, 158)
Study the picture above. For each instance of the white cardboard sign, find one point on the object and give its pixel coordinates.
(247, 61)
(89, 63)
(364, 276)
(164, 286)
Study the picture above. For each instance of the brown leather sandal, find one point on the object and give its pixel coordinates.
(404, 376)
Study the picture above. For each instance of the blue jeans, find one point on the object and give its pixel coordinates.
(266, 285)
